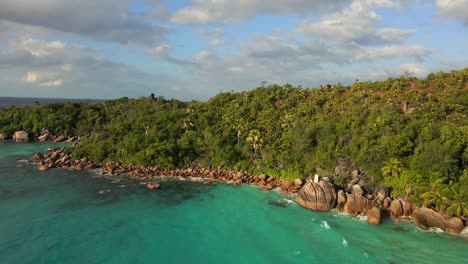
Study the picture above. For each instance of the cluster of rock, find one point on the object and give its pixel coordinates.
(374, 203)
(57, 158)
(44, 135)
(357, 199)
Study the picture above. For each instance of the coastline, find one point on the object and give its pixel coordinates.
(371, 206)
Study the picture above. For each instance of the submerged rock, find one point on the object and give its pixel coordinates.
(426, 218)
(280, 203)
(153, 185)
(317, 196)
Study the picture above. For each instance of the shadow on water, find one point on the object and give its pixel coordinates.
(101, 192)
(402, 229)
(8, 194)
(279, 203)
(174, 193)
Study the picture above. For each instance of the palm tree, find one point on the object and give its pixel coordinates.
(435, 196)
(239, 127)
(393, 167)
(255, 138)
(457, 205)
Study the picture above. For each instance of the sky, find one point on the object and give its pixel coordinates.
(195, 49)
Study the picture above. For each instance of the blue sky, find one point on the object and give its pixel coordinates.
(194, 49)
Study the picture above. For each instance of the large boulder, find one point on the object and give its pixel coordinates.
(406, 206)
(43, 137)
(297, 183)
(373, 216)
(426, 218)
(357, 190)
(21, 136)
(37, 156)
(341, 199)
(381, 193)
(355, 204)
(60, 138)
(396, 209)
(386, 203)
(317, 196)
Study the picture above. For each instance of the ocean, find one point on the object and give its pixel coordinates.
(25, 101)
(68, 216)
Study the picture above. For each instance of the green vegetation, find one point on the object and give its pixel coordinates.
(404, 132)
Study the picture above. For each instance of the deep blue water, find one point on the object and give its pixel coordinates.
(66, 216)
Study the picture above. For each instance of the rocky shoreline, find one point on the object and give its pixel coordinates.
(357, 199)
(43, 136)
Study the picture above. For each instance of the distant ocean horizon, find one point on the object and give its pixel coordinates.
(29, 101)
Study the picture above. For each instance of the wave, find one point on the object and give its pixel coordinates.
(435, 230)
(325, 225)
(361, 218)
(345, 242)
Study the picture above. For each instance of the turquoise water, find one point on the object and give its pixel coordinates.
(66, 216)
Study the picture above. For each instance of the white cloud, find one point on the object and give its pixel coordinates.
(55, 83)
(213, 33)
(454, 8)
(358, 23)
(382, 71)
(103, 20)
(32, 77)
(217, 42)
(67, 67)
(161, 51)
(417, 70)
(393, 35)
(307, 62)
(393, 51)
(54, 63)
(228, 11)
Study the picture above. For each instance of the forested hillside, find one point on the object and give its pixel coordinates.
(405, 133)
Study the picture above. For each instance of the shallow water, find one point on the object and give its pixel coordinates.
(66, 216)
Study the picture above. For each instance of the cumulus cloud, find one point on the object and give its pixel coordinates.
(103, 20)
(162, 52)
(382, 71)
(226, 11)
(283, 60)
(356, 24)
(78, 70)
(454, 8)
(32, 77)
(51, 83)
(393, 51)
(217, 42)
(211, 34)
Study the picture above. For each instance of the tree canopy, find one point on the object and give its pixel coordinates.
(410, 134)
